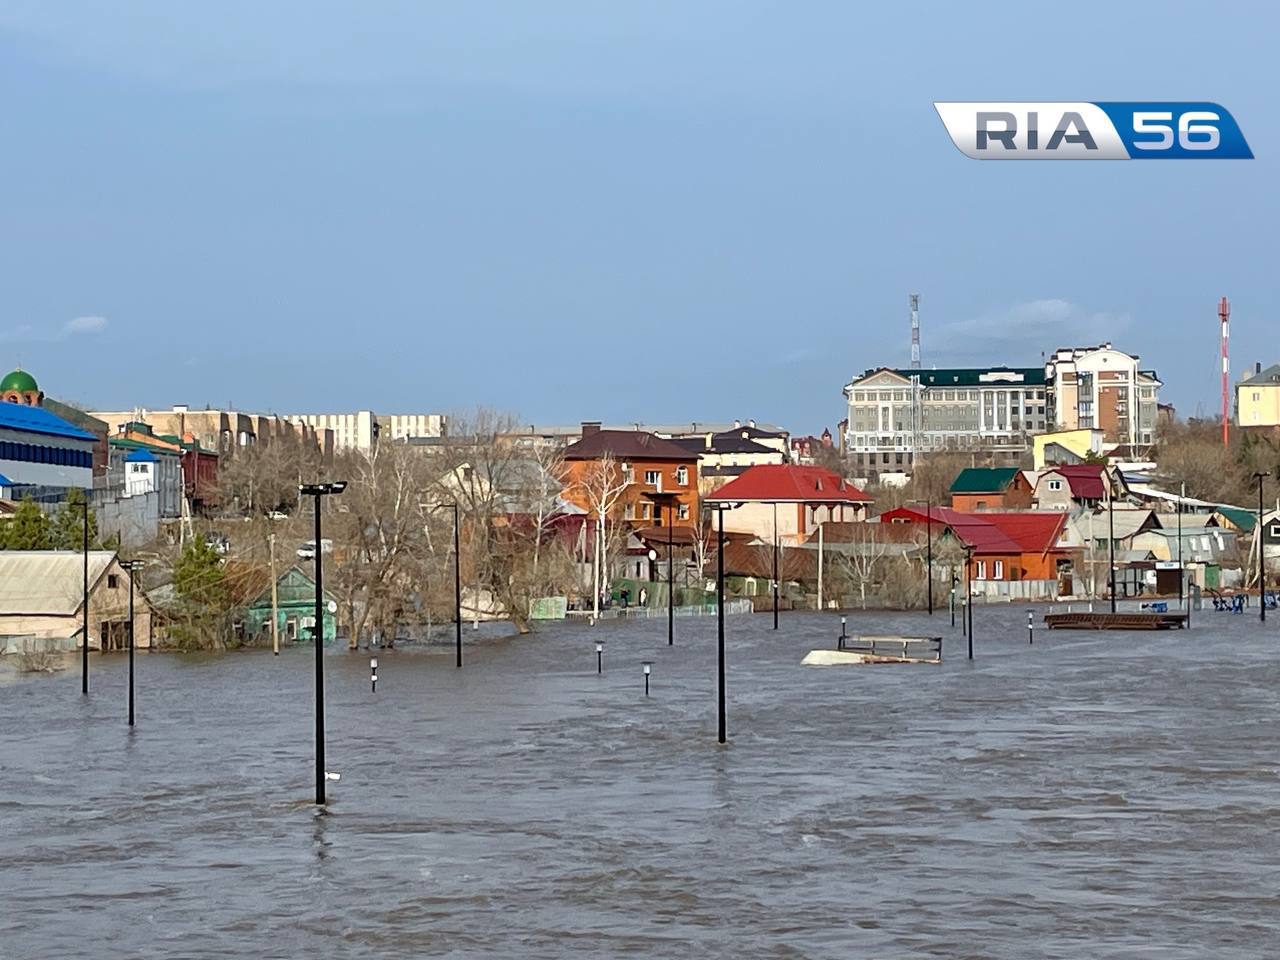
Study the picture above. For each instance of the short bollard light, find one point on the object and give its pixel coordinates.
(648, 669)
(1030, 629)
(844, 635)
(599, 657)
(373, 674)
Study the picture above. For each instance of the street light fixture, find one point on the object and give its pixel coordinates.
(928, 506)
(457, 582)
(318, 490)
(84, 646)
(720, 508)
(1262, 556)
(968, 594)
(132, 566)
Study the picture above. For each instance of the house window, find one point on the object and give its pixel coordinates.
(1055, 484)
(682, 512)
(980, 570)
(1275, 530)
(628, 474)
(113, 581)
(682, 475)
(998, 572)
(651, 477)
(629, 511)
(644, 511)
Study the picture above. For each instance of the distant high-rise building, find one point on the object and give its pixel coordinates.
(1103, 388)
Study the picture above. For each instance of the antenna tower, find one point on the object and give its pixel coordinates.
(915, 331)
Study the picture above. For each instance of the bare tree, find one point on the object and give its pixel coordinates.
(860, 559)
(600, 484)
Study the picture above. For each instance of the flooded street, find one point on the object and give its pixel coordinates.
(1099, 795)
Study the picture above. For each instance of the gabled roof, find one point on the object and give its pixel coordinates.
(627, 445)
(47, 582)
(18, 416)
(996, 532)
(1268, 377)
(1244, 520)
(984, 479)
(789, 483)
(1084, 479)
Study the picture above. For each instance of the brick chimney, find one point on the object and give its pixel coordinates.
(589, 427)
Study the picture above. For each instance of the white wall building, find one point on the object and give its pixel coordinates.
(360, 430)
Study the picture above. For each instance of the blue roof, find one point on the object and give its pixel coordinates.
(5, 481)
(141, 455)
(18, 416)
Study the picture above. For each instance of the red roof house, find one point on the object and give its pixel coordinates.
(788, 501)
(1006, 546)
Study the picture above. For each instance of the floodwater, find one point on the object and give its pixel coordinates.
(1095, 795)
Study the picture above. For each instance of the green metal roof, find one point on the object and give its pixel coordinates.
(984, 479)
(1244, 520)
(974, 376)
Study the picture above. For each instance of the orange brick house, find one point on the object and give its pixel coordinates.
(660, 476)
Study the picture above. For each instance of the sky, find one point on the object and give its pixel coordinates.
(650, 212)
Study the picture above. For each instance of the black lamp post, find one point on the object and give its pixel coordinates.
(457, 586)
(720, 618)
(928, 505)
(775, 563)
(1181, 574)
(1111, 540)
(132, 566)
(318, 490)
(84, 646)
(1262, 556)
(671, 610)
(968, 594)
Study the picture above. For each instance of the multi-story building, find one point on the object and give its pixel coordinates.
(1103, 388)
(362, 429)
(220, 431)
(1258, 399)
(660, 478)
(896, 414)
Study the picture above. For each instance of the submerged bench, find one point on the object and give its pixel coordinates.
(869, 648)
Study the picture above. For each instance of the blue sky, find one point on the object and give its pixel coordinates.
(659, 211)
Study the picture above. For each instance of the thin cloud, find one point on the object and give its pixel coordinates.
(1021, 332)
(85, 325)
(75, 327)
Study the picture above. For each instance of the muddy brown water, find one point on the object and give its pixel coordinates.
(1099, 795)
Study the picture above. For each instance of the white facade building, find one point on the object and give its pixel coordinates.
(362, 429)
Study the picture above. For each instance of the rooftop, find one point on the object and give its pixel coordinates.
(984, 479)
(1270, 376)
(789, 483)
(627, 445)
(17, 416)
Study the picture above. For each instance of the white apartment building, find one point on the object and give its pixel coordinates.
(895, 414)
(360, 430)
(1103, 388)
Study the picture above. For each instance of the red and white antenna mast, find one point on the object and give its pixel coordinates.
(1224, 314)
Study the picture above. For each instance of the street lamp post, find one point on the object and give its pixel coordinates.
(457, 580)
(775, 563)
(1262, 555)
(720, 619)
(1181, 573)
(84, 646)
(928, 521)
(1111, 541)
(318, 490)
(132, 566)
(968, 594)
(671, 610)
